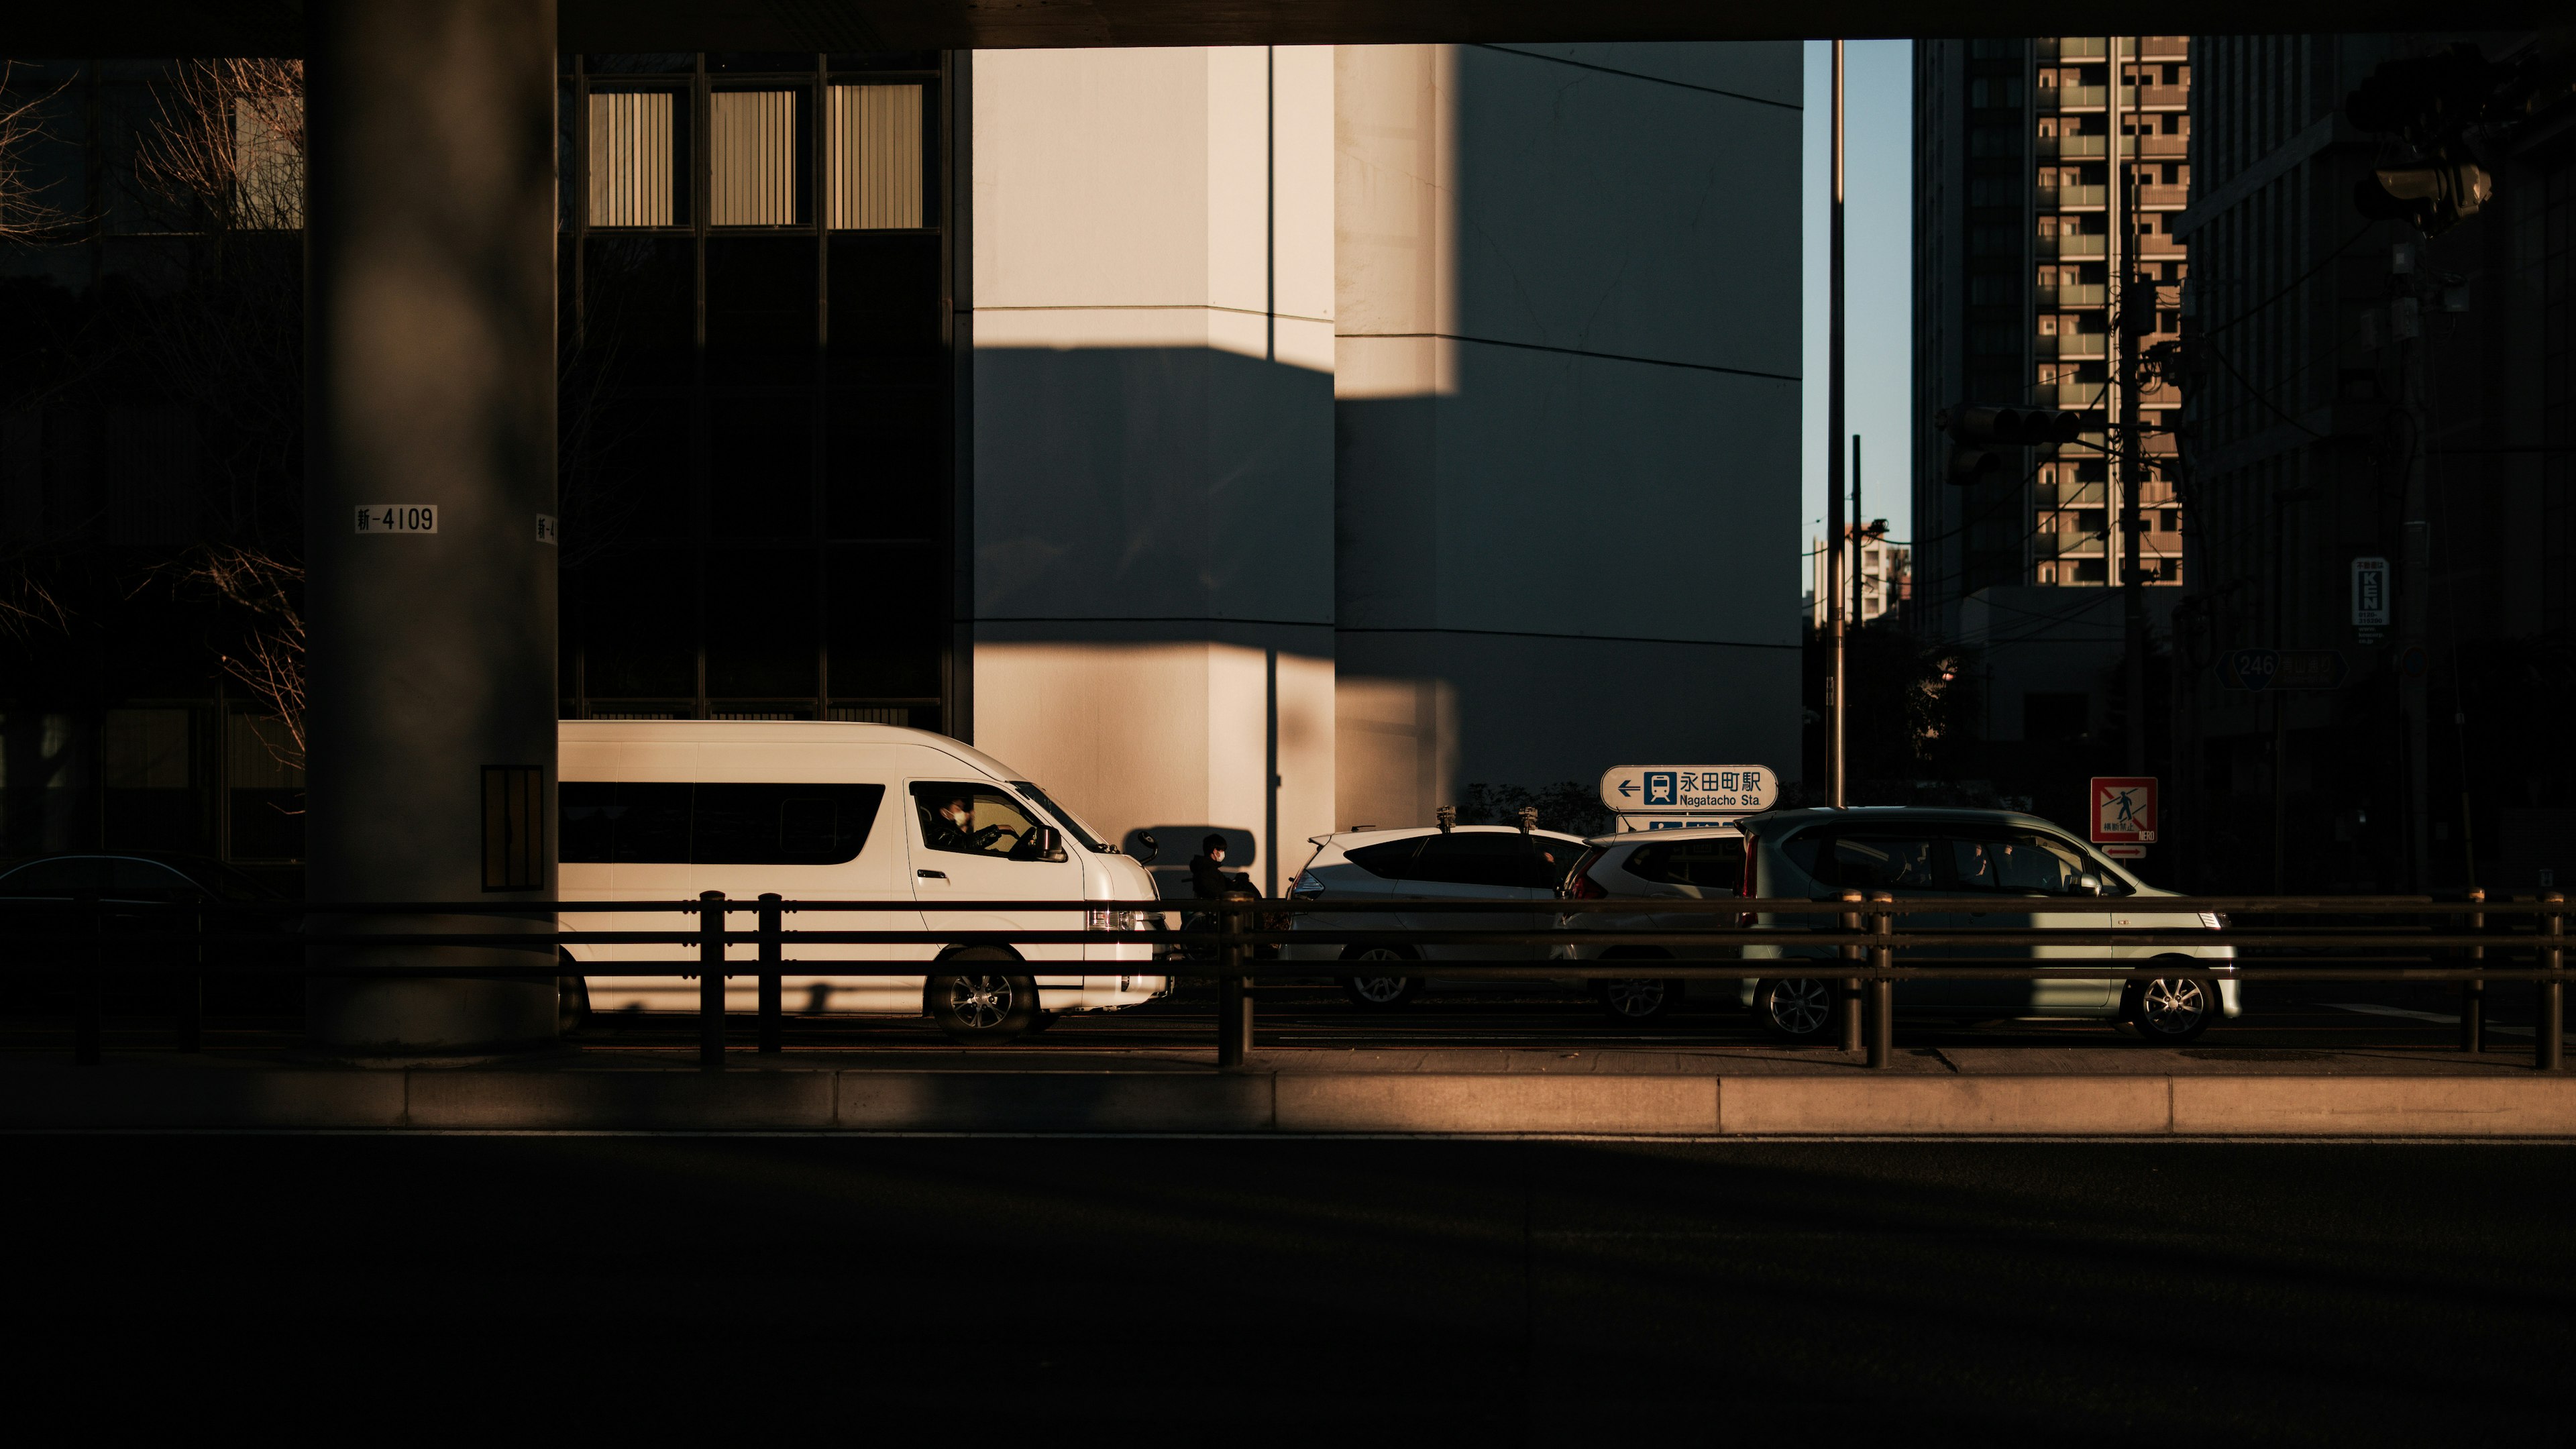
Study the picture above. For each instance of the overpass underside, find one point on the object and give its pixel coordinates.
(280, 27)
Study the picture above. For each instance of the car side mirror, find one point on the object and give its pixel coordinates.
(1045, 842)
(2085, 885)
(1147, 847)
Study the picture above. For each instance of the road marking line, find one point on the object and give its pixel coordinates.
(2373, 1009)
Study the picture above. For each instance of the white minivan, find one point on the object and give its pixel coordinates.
(662, 810)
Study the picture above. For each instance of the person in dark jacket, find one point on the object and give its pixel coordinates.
(1208, 878)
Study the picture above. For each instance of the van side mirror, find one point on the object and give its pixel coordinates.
(1043, 842)
(2085, 885)
(1147, 847)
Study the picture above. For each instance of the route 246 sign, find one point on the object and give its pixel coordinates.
(2124, 810)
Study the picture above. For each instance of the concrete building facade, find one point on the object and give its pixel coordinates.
(2021, 149)
(1261, 439)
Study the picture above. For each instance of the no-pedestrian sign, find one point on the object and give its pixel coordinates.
(2124, 810)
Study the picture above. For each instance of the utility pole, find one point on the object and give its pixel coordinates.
(2415, 579)
(2127, 150)
(1834, 523)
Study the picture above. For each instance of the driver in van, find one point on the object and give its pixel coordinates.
(952, 827)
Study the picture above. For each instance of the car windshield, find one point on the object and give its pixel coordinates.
(1090, 838)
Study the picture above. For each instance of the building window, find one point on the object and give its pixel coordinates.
(633, 154)
(268, 161)
(875, 154)
(751, 146)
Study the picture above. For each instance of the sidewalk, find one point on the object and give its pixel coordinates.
(1720, 1091)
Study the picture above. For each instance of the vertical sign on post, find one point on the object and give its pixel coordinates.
(2369, 598)
(2124, 814)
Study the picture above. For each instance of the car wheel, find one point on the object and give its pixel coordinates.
(1379, 991)
(2171, 1009)
(1798, 1009)
(1638, 998)
(572, 998)
(981, 1010)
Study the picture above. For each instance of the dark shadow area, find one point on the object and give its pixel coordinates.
(1308, 1291)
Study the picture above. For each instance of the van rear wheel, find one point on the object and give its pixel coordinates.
(981, 1010)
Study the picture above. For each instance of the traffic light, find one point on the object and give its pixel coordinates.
(1978, 430)
(2445, 113)
(2434, 196)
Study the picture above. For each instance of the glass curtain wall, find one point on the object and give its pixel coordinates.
(756, 406)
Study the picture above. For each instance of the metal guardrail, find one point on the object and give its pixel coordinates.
(1855, 940)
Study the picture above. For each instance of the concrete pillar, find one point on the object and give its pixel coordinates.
(430, 357)
(1153, 438)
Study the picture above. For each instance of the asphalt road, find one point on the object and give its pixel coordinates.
(1289, 1291)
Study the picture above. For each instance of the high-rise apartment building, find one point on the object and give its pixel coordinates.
(2046, 170)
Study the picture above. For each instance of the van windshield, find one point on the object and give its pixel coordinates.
(1084, 833)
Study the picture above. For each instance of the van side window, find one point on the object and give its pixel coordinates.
(972, 819)
(715, 824)
(1492, 858)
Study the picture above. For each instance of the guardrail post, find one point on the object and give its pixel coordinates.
(2547, 1052)
(711, 980)
(1882, 992)
(1849, 995)
(2473, 992)
(772, 951)
(192, 992)
(1233, 1000)
(89, 986)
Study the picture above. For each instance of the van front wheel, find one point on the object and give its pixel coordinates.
(981, 1010)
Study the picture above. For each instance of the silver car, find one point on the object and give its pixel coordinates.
(1974, 857)
(1519, 871)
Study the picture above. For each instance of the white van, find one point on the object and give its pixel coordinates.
(662, 810)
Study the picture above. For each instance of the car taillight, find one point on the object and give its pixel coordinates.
(1308, 886)
(1583, 888)
(1744, 886)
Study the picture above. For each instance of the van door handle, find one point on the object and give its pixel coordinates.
(931, 874)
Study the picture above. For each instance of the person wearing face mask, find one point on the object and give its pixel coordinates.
(951, 828)
(1208, 878)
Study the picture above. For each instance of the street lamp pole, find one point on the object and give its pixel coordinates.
(1836, 551)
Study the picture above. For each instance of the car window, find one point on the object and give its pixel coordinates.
(1558, 859)
(1391, 859)
(1870, 860)
(1074, 825)
(59, 876)
(146, 875)
(611, 823)
(973, 819)
(2022, 862)
(1714, 863)
(1491, 858)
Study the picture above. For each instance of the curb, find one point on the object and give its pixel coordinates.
(1287, 1103)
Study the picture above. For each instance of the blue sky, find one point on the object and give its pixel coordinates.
(1878, 219)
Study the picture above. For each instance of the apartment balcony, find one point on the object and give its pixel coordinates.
(2073, 98)
(2078, 345)
(2069, 394)
(2164, 198)
(2072, 47)
(2164, 47)
(2156, 98)
(2157, 244)
(2070, 495)
(2074, 198)
(2151, 146)
(2066, 544)
(2076, 146)
(2082, 294)
(2072, 244)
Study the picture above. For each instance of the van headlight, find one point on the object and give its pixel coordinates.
(1114, 920)
(2214, 920)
